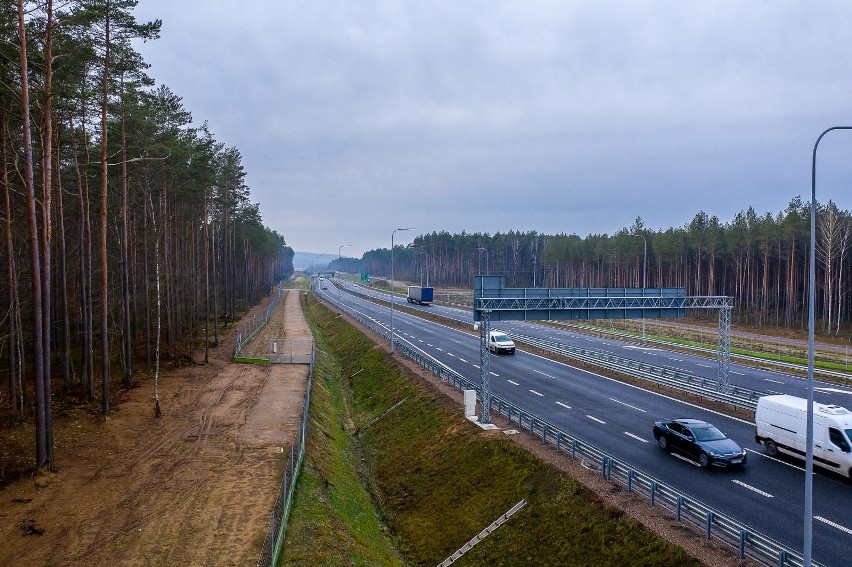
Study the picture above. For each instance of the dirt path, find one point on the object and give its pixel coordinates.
(194, 487)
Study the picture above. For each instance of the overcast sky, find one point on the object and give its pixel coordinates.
(355, 118)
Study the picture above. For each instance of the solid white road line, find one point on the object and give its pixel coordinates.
(635, 437)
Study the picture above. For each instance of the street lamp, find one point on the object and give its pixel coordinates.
(809, 438)
(338, 267)
(486, 259)
(391, 297)
(644, 278)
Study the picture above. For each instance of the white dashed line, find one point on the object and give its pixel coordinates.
(494, 374)
(596, 419)
(773, 381)
(563, 405)
(439, 349)
(833, 524)
(544, 374)
(682, 458)
(753, 489)
(737, 373)
(512, 382)
(462, 360)
(536, 393)
(628, 405)
(476, 366)
(703, 365)
(635, 437)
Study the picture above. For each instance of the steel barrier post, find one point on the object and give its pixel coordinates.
(710, 516)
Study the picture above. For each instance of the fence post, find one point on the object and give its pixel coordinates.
(743, 537)
(679, 506)
(630, 480)
(653, 493)
(710, 516)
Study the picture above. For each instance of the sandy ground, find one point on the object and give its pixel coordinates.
(194, 487)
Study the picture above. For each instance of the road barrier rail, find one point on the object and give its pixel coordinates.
(737, 396)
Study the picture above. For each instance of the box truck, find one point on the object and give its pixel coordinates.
(780, 424)
(420, 295)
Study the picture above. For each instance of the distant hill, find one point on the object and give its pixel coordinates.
(306, 260)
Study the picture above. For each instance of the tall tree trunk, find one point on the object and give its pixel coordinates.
(127, 379)
(44, 452)
(16, 391)
(104, 211)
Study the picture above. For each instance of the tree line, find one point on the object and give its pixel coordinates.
(759, 260)
(127, 230)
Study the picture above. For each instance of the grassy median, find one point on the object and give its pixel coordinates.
(394, 475)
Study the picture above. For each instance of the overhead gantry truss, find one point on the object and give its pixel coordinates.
(494, 302)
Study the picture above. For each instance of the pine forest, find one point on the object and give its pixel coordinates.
(128, 233)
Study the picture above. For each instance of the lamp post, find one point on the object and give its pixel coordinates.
(391, 297)
(338, 266)
(487, 272)
(644, 276)
(809, 436)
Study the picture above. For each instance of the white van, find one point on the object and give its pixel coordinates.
(499, 342)
(780, 424)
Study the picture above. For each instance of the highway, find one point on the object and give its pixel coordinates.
(767, 496)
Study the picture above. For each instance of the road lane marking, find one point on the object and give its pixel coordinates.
(737, 373)
(563, 405)
(753, 489)
(593, 418)
(462, 360)
(775, 381)
(512, 382)
(628, 405)
(494, 374)
(834, 390)
(544, 374)
(451, 354)
(703, 365)
(536, 393)
(684, 459)
(833, 524)
(439, 349)
(635, 437)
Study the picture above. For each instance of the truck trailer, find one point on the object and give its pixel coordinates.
(420, 295)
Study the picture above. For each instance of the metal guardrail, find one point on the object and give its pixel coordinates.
(737, 396)
(716, 525)
(247, 332)
(283, 502)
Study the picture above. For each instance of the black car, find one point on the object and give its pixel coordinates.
(700, 441)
